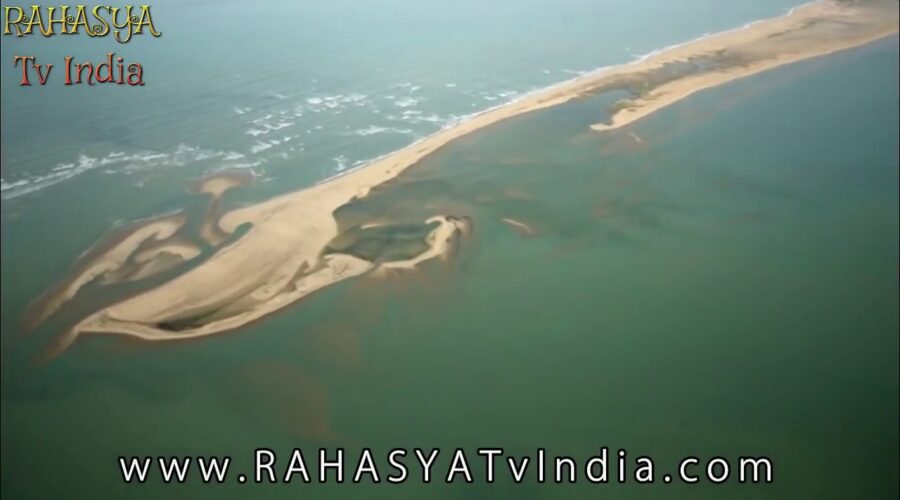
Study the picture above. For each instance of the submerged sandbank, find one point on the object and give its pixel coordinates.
(215, 187)
(108, 261)
(282, 257)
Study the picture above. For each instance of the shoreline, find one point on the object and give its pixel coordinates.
(281, 257)
(589, 81)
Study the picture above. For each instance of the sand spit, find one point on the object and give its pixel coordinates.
(440, 242)
(809, 31)
(161, 258)
(184, 250)
(282, 258)
(520, 227)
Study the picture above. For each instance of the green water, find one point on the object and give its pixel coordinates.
(726, 285)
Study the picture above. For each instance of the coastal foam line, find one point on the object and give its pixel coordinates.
(283, 256)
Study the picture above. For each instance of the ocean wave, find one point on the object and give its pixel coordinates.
(116, 162)
(502, 95)
(267, 128)
(260, 146)
(416, 117)
(409, 86)
(375, 129)
(246, 165)
(406, 102)
(261, 119)
(319, 104)
(340, 163)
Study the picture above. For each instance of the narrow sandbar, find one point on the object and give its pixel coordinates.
(520, 227)
(439, 240)
(811, 30)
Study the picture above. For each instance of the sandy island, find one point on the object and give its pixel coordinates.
(282, 257)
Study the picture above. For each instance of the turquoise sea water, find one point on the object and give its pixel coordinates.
(296, 91)
(720, 278)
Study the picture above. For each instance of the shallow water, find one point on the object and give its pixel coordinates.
(720, 278)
